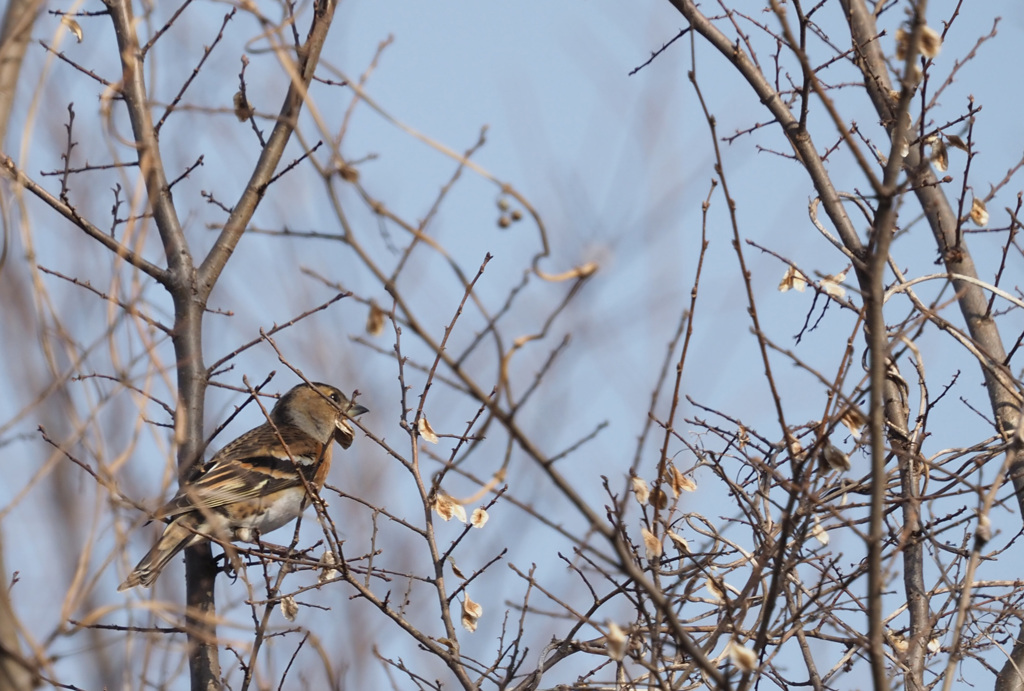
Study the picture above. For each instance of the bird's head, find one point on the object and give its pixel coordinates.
(320, 410)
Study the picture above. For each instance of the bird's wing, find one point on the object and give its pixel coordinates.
(254, 465)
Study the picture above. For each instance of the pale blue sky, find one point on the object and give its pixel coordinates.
(616, 165)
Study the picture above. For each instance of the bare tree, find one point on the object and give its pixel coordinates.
(217, 231)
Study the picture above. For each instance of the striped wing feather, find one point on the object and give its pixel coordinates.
(251, 466)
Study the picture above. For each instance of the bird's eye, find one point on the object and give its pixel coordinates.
(336, 397)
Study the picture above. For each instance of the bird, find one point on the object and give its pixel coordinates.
(260, 481)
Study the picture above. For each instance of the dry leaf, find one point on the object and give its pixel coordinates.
(455, 568)
(640, 489)
(898, 642)
(327, 563)
(854, 420)
(903, 141)
(289, 608)
(679, 541)
(652, 544)
(931, 42)
(243, 109)
(939, 156)
(983, 533)
(659, 499)
(979, 214)
(375, 320)
(446, 507)
(479, 518)
(930, 45)
(956, 142)
(902, 43)
(742, 657)
(348, 173)
(72, 26)
(934, 646)
(578, 272)
(716, 592)
(426, 431)
(834, 458)
(471, 613)
(794, 279)
(459, 511)
(796, 450)
(818, 533)
(615, 641)
(681, 483)
(830, 285)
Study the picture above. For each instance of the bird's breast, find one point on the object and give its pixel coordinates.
(269, 513)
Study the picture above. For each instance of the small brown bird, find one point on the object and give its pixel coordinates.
(257, 483)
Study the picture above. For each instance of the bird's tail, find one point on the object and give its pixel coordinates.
(176, 537)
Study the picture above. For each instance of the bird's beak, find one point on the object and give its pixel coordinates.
(345, 434)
